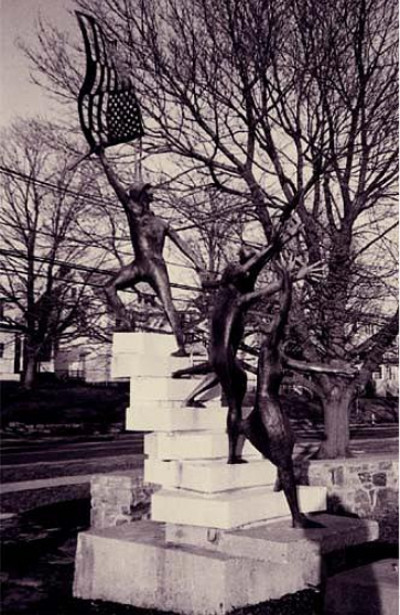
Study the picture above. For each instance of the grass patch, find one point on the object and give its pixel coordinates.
(60, 402)
(63, 402)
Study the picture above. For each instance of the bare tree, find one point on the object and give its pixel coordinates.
(41, 244)
(286, 105)
(350, 213)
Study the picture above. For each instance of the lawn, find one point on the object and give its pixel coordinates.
(99, 406)
(64, 403)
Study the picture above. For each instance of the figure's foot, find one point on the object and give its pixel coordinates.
(236, 460)
(193, 403)
(305, 523)
(124, 327)
(180, 373)
(125, 323)
(181, 352)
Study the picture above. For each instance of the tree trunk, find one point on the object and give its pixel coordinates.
(29, 371)
(336, 407)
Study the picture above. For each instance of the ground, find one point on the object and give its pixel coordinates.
(39, 546)
(38, 566)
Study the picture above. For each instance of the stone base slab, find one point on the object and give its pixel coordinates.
(148, 389)
(150, 417)
(133, 353)
(194, 445)
(132, 365)
(209, 476)
(368, 590)
(231, 509)
(132, 564)
(276, 541)
(144, 343)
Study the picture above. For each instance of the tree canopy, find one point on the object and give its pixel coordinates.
(288, 108)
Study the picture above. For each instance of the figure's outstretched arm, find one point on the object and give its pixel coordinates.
(185, 248)
(112, 178)
(281, 318)
(265, 291)
(259, 260)
(311, 271)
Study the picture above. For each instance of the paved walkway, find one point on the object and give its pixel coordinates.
(43, 483)
(59, 481)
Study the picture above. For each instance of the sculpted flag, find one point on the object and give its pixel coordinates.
(109, 112)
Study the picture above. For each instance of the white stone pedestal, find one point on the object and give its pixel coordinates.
(174, 562)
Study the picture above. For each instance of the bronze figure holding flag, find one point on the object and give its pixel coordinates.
(110, 114)
(148, 233)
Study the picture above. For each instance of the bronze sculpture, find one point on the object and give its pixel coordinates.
(267, 427)
(148, 233)
(234, 297)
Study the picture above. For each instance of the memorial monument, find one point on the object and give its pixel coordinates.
(220, 536)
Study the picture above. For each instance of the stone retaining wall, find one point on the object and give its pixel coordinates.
(367, 487)
(119, 498)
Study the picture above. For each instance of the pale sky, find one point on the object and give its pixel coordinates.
(18, 96)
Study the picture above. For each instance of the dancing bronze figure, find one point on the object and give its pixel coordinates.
(267, 427)
(148, 233)
(234, 297)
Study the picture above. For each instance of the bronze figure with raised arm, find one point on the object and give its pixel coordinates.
(148, 233)
(267, 427)
(234, 297)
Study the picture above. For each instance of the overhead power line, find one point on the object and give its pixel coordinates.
(106, 202)
(85, 283)
(84, 268)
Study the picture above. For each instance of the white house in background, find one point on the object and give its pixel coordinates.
(10, 352)
(386, 377)
(85, 360)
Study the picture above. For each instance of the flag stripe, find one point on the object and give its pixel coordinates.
(109, 112)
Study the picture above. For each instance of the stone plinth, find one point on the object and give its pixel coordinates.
(143, 354)
(200, 563)
(147, 565)
(133, 564)
(150, 417)
(161, 389)
(277, 541)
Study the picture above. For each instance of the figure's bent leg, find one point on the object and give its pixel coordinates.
(254, 430)
(205, 385)
(281, 444)
(287, 482)
(194, 370)
(125, 278)
(234, 383)
(161, 285)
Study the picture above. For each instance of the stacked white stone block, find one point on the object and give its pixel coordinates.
(187, 449)
(196, 556)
